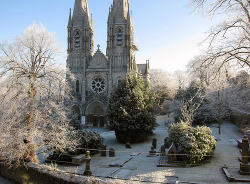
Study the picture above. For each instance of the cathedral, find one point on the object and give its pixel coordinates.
(96, 74)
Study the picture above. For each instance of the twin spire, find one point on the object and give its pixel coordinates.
(120, 9)
(81, 14)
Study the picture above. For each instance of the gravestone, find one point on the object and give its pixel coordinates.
(244, 166)
(103, 150)
(154, 143)
(111, 152)
(163, 150)
(128, 145)
(152, 151)
(172, 153)
(167, 142)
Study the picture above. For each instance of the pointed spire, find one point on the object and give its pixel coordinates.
(129, 17)
(121, 8)
(81, 12)
(70, 20)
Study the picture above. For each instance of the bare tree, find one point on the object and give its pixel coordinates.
(33, 118)
(228, 41)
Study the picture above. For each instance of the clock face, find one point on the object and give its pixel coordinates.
(98, 85)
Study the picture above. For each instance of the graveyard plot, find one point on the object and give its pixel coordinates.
(232, 174)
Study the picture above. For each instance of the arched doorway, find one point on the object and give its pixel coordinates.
(95, 114)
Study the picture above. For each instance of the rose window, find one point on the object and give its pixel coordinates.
(98, 85)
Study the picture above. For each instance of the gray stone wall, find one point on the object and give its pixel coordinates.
(39, 174)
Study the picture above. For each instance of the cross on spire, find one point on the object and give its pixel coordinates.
(98, 46)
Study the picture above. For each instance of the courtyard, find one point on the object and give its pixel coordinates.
(134, 166)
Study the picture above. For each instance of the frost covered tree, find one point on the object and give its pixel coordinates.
(163, 85)
(181, 78)
(130, 110)
(226, 89)
(190, 99)
(229, 41)
(33, 117)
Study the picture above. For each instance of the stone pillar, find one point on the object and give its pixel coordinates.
(244, 166)
(87, 171)
(154, 143)
(103, 151)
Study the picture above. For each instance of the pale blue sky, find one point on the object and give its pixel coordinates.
(166, 30)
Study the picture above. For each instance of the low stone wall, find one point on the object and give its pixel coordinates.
(40, 174)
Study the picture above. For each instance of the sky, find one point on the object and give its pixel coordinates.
(168, 32)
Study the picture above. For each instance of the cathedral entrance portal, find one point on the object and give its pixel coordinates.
(95, 114)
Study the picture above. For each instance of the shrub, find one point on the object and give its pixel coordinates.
(130, 110)
(194, 143)
(89, 140)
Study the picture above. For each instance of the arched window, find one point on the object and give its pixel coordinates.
(77, 39)
(119, 38)
(77, 86)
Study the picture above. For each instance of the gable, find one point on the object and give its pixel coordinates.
(99, 60)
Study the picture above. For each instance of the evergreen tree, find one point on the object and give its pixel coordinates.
(130, 110)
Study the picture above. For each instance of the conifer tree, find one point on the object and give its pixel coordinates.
(130, 110)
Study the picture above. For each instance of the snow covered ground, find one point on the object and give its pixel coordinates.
(141, 168)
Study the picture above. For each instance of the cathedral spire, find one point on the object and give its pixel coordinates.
(81, 12)
(120, 9)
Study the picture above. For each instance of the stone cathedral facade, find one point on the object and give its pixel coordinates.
(96, 74)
